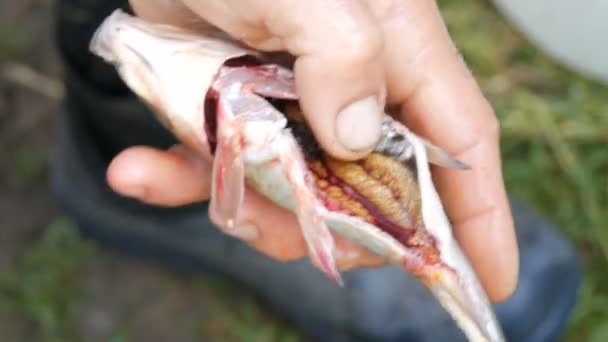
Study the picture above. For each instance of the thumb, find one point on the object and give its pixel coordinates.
(338, 47)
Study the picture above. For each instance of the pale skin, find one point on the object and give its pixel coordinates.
(363, 53)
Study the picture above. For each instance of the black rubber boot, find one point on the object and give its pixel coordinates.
(101, 117)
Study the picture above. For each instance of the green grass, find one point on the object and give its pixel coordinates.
(14, 41)
(28, 165)
(555, 129)
(44, 287)
(239, 317)
(42, 293)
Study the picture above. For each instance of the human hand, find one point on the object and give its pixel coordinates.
(357, 52)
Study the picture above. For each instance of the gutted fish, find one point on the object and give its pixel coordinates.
(233, 103)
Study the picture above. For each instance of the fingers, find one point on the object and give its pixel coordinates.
(345, 58)
(171, 12)
(280, 238)
(166, 178)
(339, 74)
(441, 101)
(177, 177)
(338, 45)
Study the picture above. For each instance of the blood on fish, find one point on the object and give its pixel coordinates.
(412, 236)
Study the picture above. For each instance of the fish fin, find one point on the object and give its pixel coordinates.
(310, 211)
(440, 157)
(274, 81)
(228, 174)
(436, 155)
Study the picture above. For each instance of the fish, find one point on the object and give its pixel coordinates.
(240, 106)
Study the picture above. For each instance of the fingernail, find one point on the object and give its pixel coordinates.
(358, 125)
(244, 231)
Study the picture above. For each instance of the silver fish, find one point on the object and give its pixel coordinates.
(224, 100)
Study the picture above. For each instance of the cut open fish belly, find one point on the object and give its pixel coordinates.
(221, 98)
